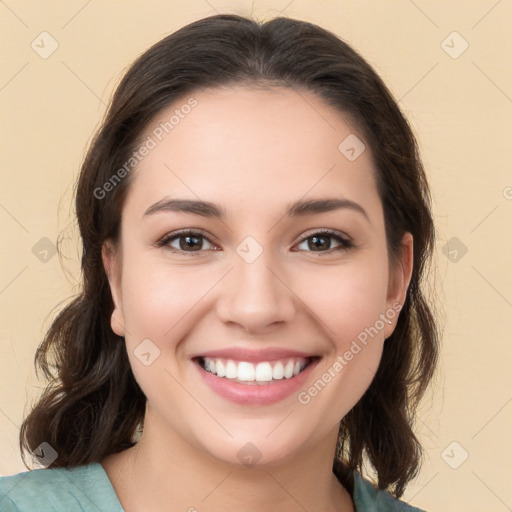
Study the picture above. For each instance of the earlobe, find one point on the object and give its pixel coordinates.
(112, 270)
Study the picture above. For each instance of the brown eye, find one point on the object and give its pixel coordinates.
(322, 242)
(185, 241)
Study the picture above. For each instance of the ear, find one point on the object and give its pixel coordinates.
(112, 263)
(400, 277)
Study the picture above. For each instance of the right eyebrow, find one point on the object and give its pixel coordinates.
(203, 208)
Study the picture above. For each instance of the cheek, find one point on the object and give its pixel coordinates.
(158, 298)
(349, 304)
(348, 300)
(159, 304)
(344, 300)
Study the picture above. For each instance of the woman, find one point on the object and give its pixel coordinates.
(256, 226)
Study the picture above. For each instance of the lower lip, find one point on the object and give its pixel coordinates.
(255, 394)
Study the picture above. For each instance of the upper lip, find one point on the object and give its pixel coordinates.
(254, 355)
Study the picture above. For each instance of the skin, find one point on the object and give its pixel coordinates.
(253, 152)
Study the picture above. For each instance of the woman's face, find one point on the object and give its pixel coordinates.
(255, 291)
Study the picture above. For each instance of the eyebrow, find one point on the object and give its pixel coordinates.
(296, 209)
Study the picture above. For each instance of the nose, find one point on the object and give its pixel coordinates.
(256, 296)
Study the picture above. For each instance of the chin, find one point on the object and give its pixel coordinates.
(255, 451)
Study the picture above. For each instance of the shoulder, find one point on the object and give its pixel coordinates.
(80, 488)
(368, 497)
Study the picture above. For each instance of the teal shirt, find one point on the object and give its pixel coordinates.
(88, 489)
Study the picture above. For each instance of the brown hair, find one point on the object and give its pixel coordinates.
(93, 406)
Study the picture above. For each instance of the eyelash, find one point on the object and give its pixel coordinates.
(345, 244)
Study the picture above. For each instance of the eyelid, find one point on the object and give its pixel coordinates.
(326, 231)
(164, 241)
(344, 240)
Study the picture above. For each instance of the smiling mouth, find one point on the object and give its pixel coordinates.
(261, 373)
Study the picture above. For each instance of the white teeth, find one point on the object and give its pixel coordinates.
(219, 369)
(288, 369)
(278, 371)
(265, 371)
(246, 371)
(231, 370)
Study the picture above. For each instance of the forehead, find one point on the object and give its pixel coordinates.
(251, 147)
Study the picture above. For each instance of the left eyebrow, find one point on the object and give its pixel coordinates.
(297, 209)
(312, 206)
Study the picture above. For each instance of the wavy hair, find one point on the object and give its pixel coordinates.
(92, 405)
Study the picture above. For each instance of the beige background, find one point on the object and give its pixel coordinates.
(459, 107)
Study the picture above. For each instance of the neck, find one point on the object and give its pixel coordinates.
(163, 472)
